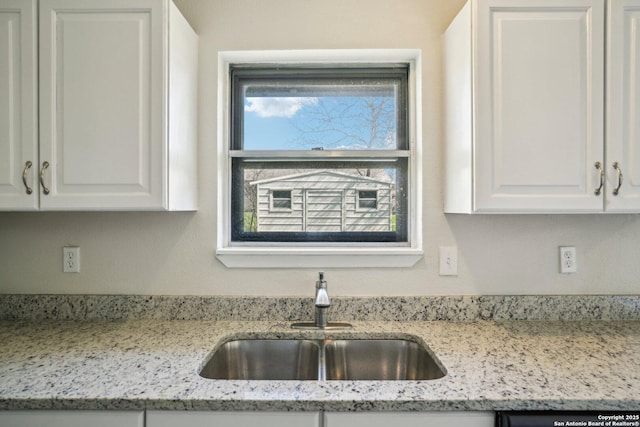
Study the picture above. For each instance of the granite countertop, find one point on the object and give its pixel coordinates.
(153, 364)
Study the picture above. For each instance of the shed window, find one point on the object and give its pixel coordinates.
(368, 199)
(281, 199)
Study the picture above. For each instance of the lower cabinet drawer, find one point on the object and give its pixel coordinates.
(70, 418)
(232, 419)
(409, 419)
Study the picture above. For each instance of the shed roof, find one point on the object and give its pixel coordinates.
(321, 172)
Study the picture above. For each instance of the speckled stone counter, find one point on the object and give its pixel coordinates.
(390, 308)
(153, 364)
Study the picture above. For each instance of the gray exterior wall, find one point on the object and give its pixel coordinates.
(324, 202)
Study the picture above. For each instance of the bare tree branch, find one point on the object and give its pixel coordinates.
(364, 123)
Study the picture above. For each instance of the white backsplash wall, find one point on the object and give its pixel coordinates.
(174, 253)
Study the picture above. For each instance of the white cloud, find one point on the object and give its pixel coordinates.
(277, 107)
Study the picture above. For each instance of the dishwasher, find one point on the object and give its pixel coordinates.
(568, 419)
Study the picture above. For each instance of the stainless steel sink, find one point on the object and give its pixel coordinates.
(393, 360)
(256, 359)
(344, 359)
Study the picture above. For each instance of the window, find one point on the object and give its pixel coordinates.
(367, 199)
(281, 200)
(322, 131)
(318, 156)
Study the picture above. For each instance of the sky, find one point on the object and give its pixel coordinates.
(274, 123)
(267, 122)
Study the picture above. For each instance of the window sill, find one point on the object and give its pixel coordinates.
(293, 257)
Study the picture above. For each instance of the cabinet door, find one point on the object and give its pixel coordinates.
(409, 419)
(101, 103)
(623, 106)
(538, 105)
(232, 419)
(71, 419)
(18, 92)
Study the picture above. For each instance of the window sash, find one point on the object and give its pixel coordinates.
(401, 187)
(244, 75)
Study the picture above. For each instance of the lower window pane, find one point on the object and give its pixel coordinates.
(332, 201)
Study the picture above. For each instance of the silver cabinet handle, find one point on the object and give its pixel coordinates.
(617, 167)
(598, 166)
(27, 166)
(45, 165)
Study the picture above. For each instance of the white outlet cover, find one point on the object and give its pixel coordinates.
(71, 259)
(568, 261)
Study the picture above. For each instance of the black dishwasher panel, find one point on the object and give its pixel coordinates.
(568, 419)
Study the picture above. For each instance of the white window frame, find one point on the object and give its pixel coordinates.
(319, 254)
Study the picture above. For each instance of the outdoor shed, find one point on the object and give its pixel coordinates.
(324, 201)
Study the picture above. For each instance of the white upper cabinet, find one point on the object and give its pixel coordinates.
(18, 105)
(623, 106)
(526, 107)
(538, 105)
(117, 107)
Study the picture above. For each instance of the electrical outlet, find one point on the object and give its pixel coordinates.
(71, 259)
(448, 261)
(568, 260)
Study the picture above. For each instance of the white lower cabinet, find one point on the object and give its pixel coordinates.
(408, 419)
(315, 419)
(232, 419)
(63, 418)
(72, 418)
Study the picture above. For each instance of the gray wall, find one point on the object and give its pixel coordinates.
(173, 253)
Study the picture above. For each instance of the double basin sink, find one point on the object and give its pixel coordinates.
(322, 359)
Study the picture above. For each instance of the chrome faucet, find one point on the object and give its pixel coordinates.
(322, 304)
(322, 301)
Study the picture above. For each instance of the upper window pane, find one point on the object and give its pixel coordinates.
(346, 109)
